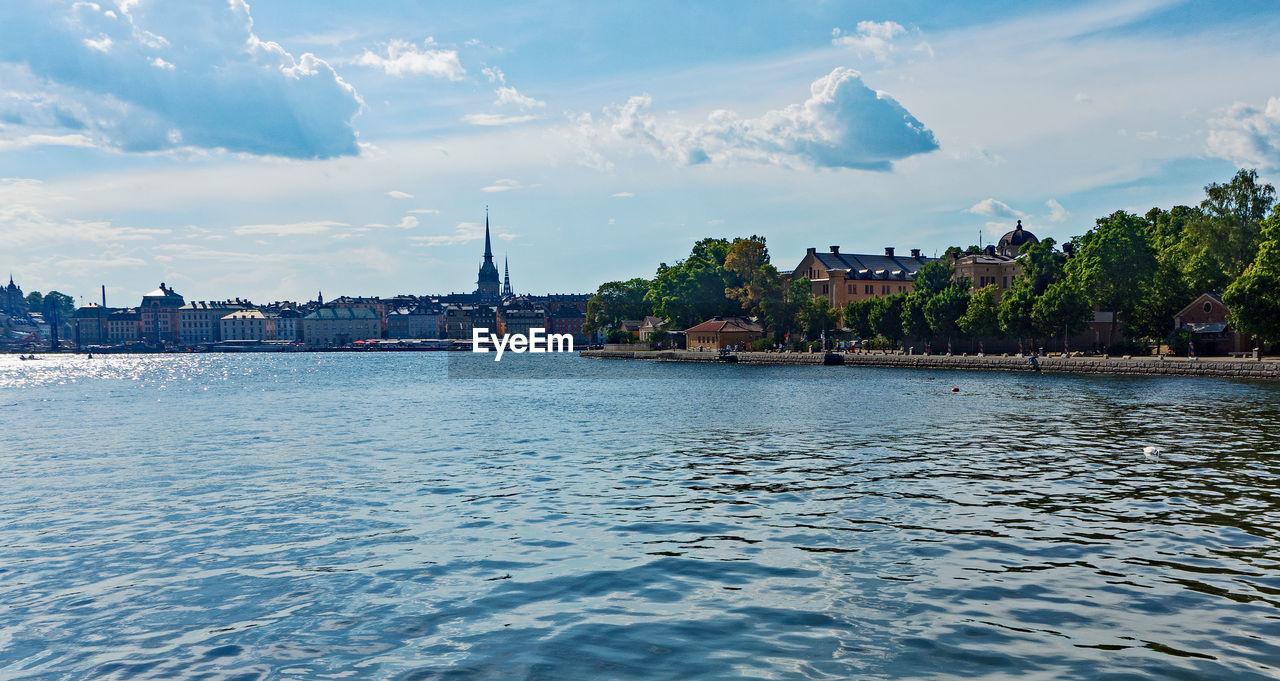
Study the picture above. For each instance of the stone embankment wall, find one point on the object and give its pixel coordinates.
(1137, 366)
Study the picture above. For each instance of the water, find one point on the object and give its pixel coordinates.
(366, 516)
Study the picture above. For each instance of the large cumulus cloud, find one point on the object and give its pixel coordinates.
(843, 124)
(156, 75)
(1247, 135)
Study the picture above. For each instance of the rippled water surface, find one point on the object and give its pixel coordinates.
(366, 516)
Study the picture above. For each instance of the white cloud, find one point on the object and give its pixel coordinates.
(1056, 212)
(397, 194)
(871, 38)
(505, 184)
(404, 58)
(206, 84)
(622, 195)
(1247, 135)
(407, 222)
(425, 211)
(843, 124)
(506, 236)
(488, 119)
(289, 229)
(508, 96)
(465, 232)
(494, 74)
(101, 44)
(994, 209)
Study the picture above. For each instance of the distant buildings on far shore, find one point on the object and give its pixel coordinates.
(165, 319)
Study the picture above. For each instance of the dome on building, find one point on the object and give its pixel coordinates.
(1012, 242)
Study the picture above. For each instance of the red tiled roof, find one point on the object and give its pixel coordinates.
(725, 324)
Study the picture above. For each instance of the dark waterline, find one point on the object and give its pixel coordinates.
(358, 516)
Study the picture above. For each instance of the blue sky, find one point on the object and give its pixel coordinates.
(274, 148)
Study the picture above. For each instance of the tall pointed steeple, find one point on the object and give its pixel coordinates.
(487, 281)
(506, 278)
(488, 251)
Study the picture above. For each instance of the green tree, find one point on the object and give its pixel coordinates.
(944, 310)
(1254, 298)
(615, 301)
(933, 277)
(857, 317)
(981, 318)
(693, 290)
(1042, 265)
(35, 301)
(914, 321)
(1015, 310)
(886, 317)
(1063, 309)
(1228, 233)
(817, 317)
(1114, 263)
(760, 289)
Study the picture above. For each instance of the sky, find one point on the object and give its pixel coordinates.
(273, 149)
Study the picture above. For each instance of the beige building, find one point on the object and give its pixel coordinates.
(200, 321)
(846, 277)
(998, 265)
(334, 326)
(721, 332)
(248, 325)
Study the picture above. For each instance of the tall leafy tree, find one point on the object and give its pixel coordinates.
(1015, 310)
(1225, 240)
(1114, 262)
(944, 309)
(693, 289)
(1254, 298)
(933, 276)
(615, 301)
(817, 317)
(981, 318)
(760, 289)
(886, 317)
(857, 317)
(1062, 309)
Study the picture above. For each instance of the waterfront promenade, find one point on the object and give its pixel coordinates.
(1125, 366)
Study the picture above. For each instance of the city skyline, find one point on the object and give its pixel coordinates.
(354, 151)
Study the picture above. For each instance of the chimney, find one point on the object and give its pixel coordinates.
(915, 253)
(888, 251)
(835, 250)
(811, 251)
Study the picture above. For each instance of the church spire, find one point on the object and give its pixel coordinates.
(488, 252)
(506, 278)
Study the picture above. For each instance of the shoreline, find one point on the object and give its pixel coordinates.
(1112, 366)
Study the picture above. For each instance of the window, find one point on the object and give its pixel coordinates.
(1208, 307)
(869, 289)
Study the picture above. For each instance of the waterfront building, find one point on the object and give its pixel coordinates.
(846, 277)
(650, 324)
(201, 321)
(287, 324)
(986, 269)
(12, 302)
(377, 305)
(335, 326)
(721, 332)
(160, 316)
(249, 324)
(520, 315)
(568, 318)
(419, 320)
(460, 320)
(89, 324)
(1208, 321)
(124, 326)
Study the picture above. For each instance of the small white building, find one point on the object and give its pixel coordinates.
(248, 325)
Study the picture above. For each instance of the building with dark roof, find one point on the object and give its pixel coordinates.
(846, 277)
(488, 283)
(1012, 242)
(336, 326)
(160, 316)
